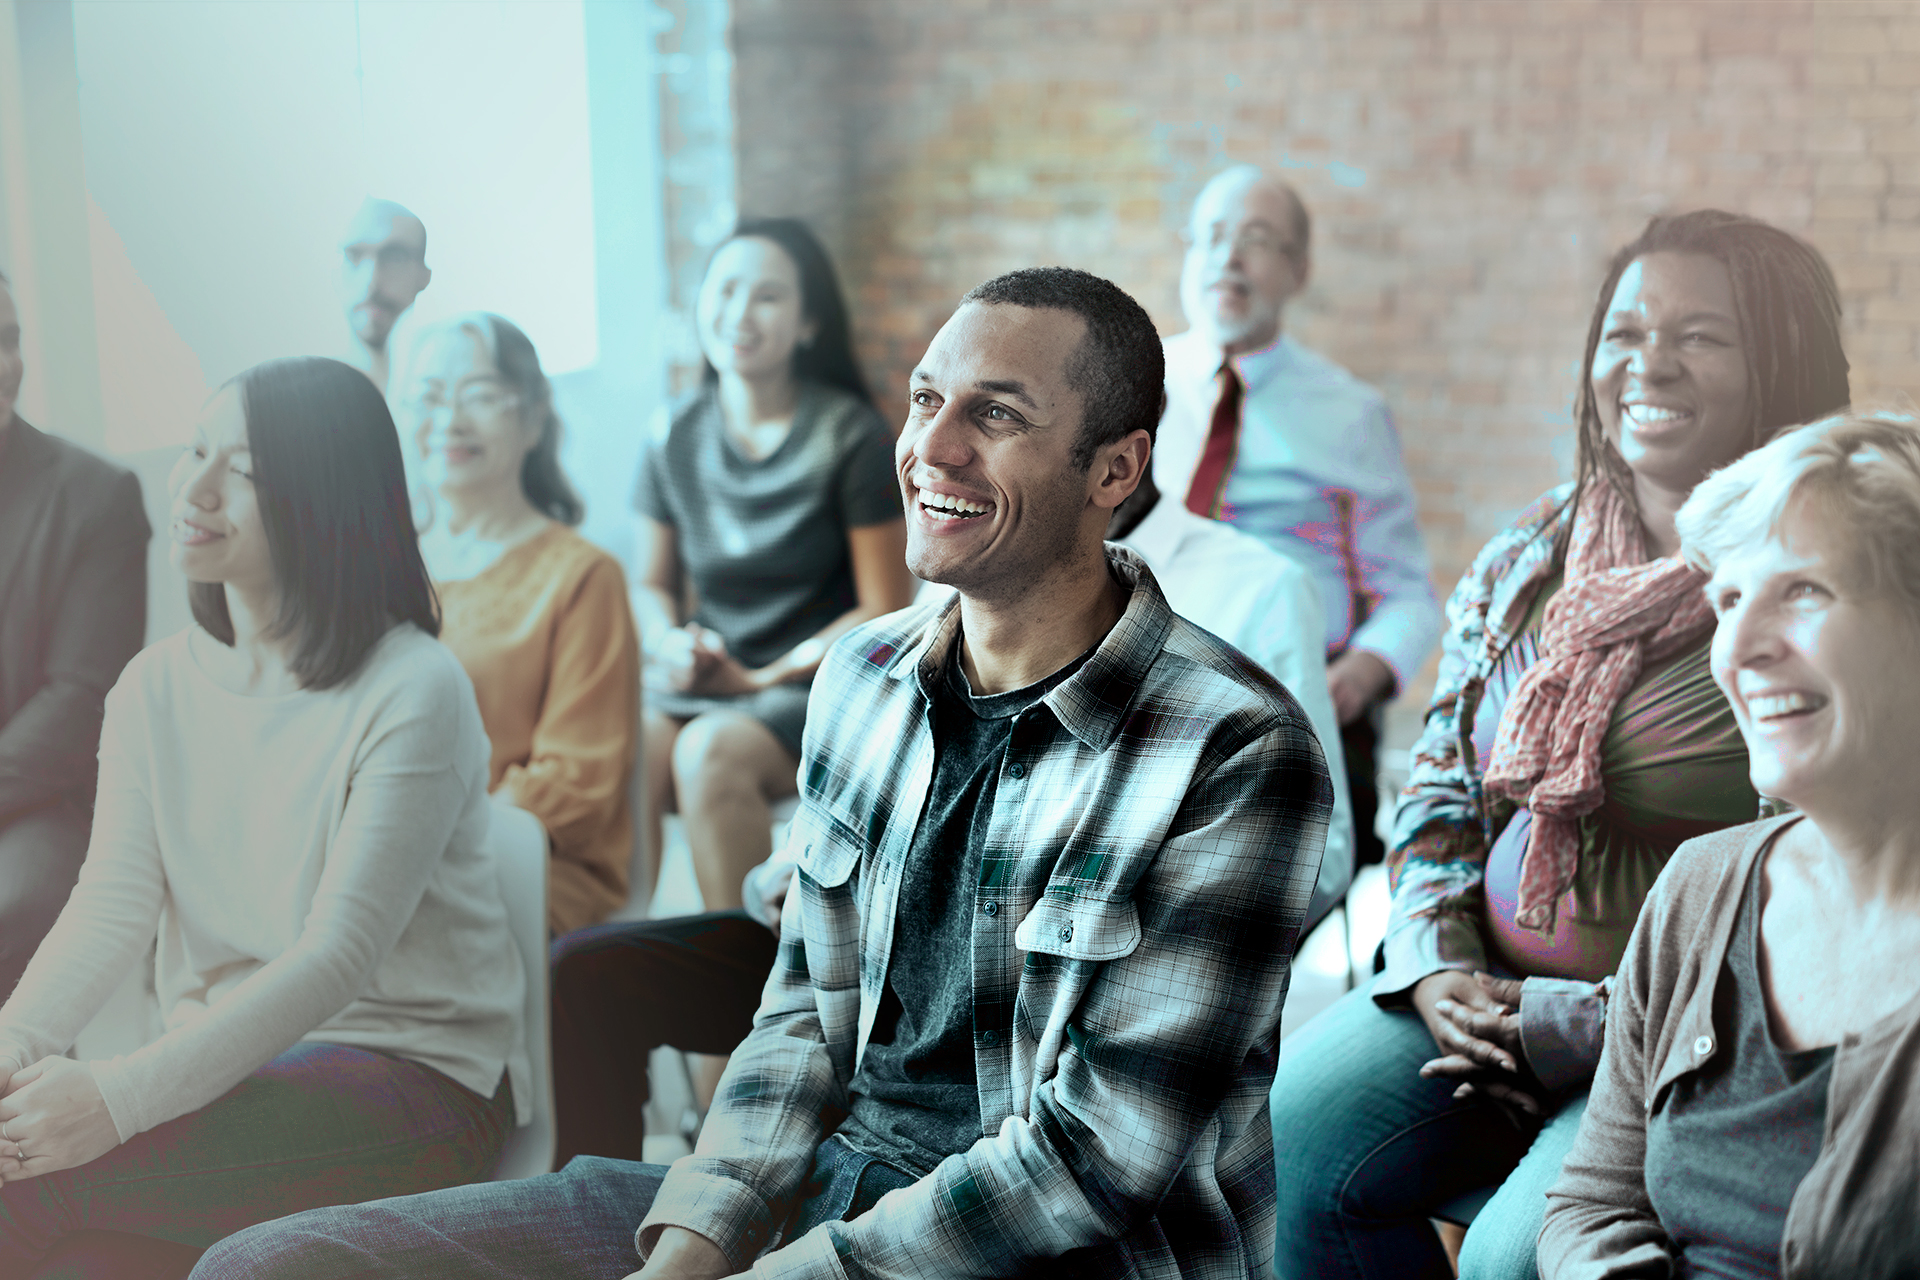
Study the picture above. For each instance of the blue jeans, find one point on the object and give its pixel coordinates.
(320, 1124)
(1499, 1244)
(577, 1224)
(1365, 1150)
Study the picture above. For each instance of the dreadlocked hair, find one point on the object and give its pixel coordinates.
(1788, 307)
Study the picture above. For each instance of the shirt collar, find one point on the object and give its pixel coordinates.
(1156, 539)
(1256, 368)
(1090, 704)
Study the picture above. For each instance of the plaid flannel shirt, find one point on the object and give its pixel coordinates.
(1445, 823)
(1154, 840)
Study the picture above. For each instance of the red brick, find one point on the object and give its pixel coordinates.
(1669, 32)
(1883, 104)
(1491, 135)
(1848, 35)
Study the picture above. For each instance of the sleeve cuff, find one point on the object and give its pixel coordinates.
(1398, 639)
(110, 1079)
(720, 1208)
(1563, 1023)
(814, 1255)
(1425, 946)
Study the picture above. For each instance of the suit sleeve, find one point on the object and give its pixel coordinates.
(48, 747)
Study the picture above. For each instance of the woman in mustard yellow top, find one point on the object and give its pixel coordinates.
(537, 615)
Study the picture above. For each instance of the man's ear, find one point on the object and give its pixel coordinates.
(1118, 467)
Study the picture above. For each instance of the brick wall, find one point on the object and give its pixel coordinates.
(1469, 166)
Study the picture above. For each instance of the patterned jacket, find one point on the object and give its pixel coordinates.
(1445, 823)
(1152, 847)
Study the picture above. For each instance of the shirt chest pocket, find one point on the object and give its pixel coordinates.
(825, 848)
(1080, 929)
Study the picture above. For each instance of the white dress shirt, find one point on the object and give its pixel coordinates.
(1254, 598)
(1309, 433)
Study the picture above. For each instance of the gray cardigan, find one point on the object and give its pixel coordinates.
(1853, 1214)
(73, 610)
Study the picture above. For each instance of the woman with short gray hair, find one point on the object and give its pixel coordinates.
(1754, 1113)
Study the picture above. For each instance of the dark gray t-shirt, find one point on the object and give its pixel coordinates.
(764, 541)
(1728, 1146)
(915, 1099)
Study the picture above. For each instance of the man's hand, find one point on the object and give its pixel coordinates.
(1476, 1024)
(775, 901)
(52, 1118)
(680, 1254)
(1357, 679)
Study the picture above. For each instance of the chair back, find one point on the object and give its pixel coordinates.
(518, 844)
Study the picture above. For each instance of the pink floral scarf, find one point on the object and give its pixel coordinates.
(1617, 612)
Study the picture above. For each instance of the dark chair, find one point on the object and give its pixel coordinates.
(115, 1255)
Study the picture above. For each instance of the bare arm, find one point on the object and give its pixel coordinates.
(657, 577)
(881, 584)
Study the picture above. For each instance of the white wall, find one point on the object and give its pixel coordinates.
(43, 201)
(228, 144)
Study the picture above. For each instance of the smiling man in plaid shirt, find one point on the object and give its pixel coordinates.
(1054, 847)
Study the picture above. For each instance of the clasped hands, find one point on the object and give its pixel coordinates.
(1475, 1022)
(52, 1117)
(695, 660)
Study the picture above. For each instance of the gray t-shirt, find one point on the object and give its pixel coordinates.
(764, 541)
(916, 1098)
(1728, 1145)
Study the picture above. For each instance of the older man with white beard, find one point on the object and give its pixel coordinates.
(1286, 445)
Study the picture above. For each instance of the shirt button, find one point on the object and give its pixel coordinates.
(992, 908)
(1016, 770)
(1703, 1046)
(988, 1037)
(1066, 933)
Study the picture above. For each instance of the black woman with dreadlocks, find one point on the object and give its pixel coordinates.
(1576, 737)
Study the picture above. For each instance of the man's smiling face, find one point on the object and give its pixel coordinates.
(985, 459)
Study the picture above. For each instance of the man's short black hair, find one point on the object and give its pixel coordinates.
(1119, 370)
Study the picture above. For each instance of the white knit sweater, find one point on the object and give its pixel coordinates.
(311, 864)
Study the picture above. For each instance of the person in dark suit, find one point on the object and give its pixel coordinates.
(73, 610)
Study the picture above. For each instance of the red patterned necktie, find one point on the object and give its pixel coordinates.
(1216, 460)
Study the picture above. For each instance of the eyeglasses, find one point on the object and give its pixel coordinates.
(1254, 241)
(385, 255)
(476, 401)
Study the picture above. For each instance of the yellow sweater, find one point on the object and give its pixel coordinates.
(547, 637)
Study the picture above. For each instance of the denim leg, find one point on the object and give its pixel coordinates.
(842, 1184)
(1500, 1243)
(320, 1124)
(1364, 1148)
(577, 1224)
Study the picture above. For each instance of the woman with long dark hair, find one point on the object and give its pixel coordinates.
(1575, 738)
(292, 800)
(770, 522)
(536, 614)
